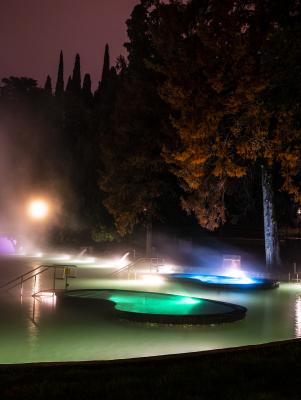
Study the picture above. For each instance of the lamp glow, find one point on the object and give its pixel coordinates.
(38, 209)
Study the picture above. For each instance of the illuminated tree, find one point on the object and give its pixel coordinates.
(224, 76)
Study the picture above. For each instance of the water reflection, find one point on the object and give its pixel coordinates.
(298, 317)
(35, 308)
(40, 296)
(45, 299)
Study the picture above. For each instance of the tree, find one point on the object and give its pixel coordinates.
(106, 64)
(59, 88)
(218, 83)
(48, 86)
(105, 75)
(134, 176)
(76, 76)
(87, 91)
(69, 85)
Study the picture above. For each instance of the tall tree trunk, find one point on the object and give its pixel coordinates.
(149, 237)
(270, 224)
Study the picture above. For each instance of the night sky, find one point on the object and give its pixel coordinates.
(32, 33)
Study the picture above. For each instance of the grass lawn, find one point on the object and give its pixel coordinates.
(268, 372)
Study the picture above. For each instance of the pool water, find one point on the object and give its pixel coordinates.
(48, 330)
(154, 303)
(243, 282)
(158, 303)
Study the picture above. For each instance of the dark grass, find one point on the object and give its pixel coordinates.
(270, 372)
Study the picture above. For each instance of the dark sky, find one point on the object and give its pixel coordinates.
(32, 33)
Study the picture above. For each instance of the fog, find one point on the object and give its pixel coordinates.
(37, 163)
(24, 176)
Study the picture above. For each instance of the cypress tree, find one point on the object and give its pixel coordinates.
(131, 146)
(87, 86)
(59, 88)
(105, 70)
(113, 72)
(76, 76)
(69, 85)
(48, 86)
(106, 64)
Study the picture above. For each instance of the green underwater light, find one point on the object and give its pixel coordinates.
(189, 300)
(163, 307)
(154, 303)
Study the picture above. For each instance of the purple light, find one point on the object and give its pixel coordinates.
(6, 246)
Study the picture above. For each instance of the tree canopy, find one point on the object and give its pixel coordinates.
(134, 174)
(224, 83)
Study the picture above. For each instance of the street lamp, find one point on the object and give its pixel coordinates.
(38, 209)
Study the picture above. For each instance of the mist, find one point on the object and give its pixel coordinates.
(28, 167)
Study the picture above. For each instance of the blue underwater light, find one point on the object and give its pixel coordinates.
(229, 282)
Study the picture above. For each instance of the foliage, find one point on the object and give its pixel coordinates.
(209, 92)
(134, 173)
(222, 74)
(100, 233)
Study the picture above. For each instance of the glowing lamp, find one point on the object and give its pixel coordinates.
(38, 209)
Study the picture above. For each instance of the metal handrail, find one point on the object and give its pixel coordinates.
(128, 266)
(21, 276)
(20, 279)
(27, 279)
(131, 265)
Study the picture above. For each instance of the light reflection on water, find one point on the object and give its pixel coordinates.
(32, 326)
(46, 330)
(298, 317)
